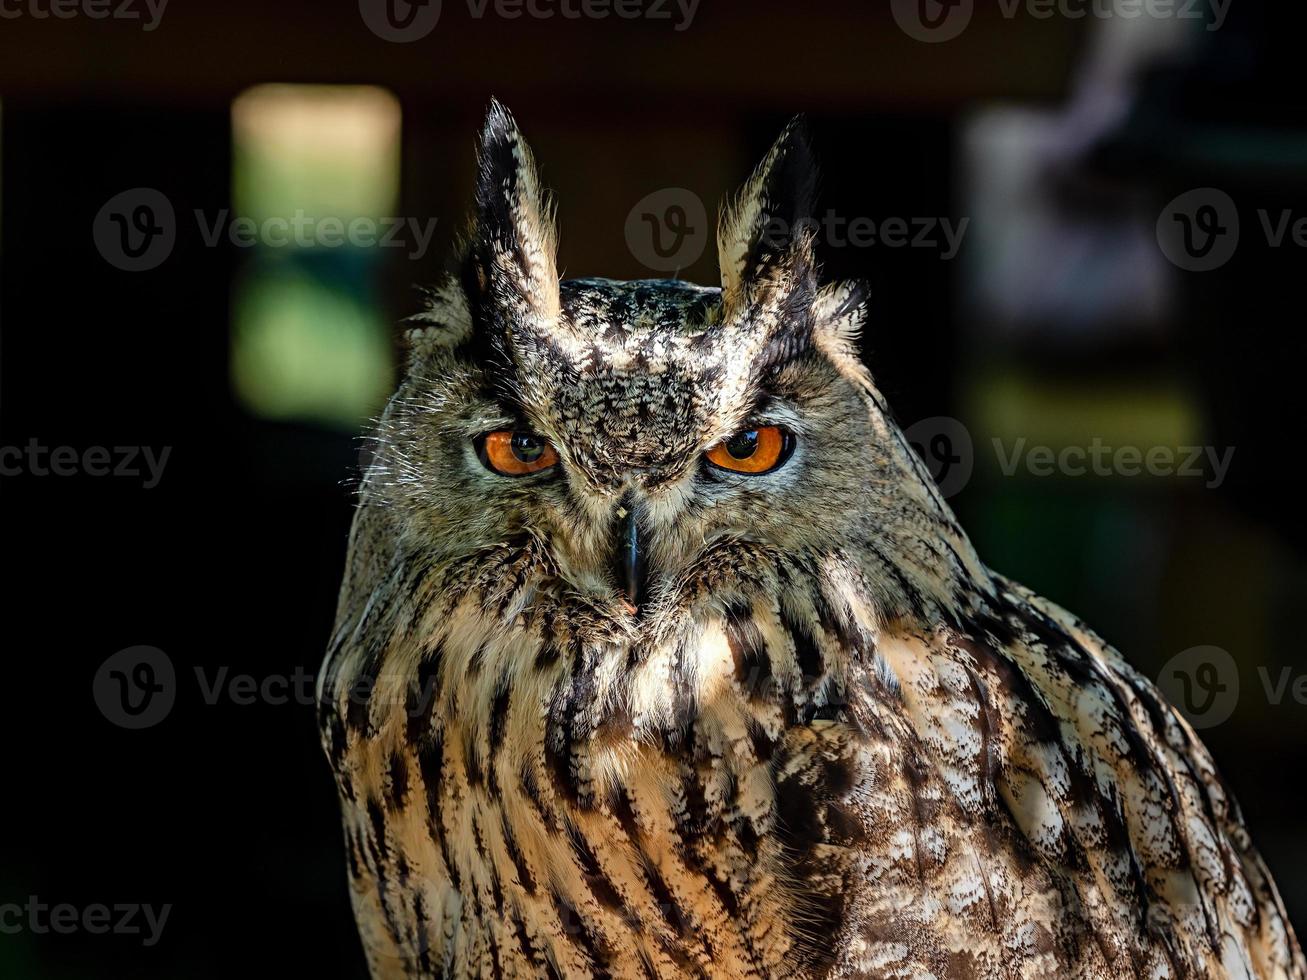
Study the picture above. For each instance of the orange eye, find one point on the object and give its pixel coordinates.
(516, 453)
(752, 451)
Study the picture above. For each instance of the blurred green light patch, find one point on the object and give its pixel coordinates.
(310, 342)
(306, 349)
(326, 150)
(1010, 405)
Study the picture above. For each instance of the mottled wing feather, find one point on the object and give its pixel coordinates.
(1053, 817)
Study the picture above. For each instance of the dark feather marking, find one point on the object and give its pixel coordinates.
(479, 839)
(422, 695)
(431, 764)
(471, 764)
(824, 916)
(625, 814)
(524, 877)
(666, 904)
(352, 852)
(531, 790)
(579, 933)
(987, 725)
(748, 650)
(763, 744)
(359, 695)
(604, 891)
(377, 833)
(695, 819)
(915, 776)
(685, 700)
(806, 652)
(911, 594)
(524, 940)
(796, 815)
(475, 662)
(337, 740)
(498, 726)
(547, 656)
(398, 784)
(562, 768)
(423, 923)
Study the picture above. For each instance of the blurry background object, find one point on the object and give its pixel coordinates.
(1001, 190)
(308, 338)
(1064, 254)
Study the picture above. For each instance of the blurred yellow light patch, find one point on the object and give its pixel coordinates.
(330, 151)
(309, 341)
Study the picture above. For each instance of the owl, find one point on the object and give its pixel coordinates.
(659, 655)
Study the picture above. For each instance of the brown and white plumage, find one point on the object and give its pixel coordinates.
(830, 744)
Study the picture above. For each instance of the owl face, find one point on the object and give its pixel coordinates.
(630, 428)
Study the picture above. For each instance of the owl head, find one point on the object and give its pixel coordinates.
(631, 429)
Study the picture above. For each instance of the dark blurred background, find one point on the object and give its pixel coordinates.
(1073, 312)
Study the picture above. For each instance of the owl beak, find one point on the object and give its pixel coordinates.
(630, 568)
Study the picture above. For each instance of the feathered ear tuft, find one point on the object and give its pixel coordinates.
(838, 317)
(764, 239)
(511, 257)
